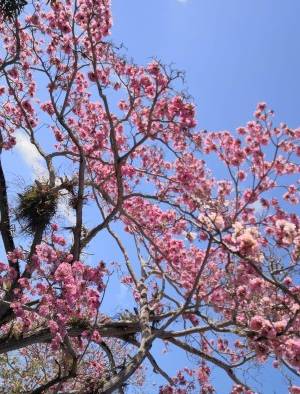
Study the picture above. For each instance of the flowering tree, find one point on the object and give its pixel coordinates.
(210, 260)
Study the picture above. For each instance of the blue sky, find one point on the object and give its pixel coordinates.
(235, 52)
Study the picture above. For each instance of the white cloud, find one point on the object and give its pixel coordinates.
(66, 212)
(182, 1)
(257, 206)
(31, 156)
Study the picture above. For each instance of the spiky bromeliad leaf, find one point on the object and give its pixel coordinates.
(11, 8)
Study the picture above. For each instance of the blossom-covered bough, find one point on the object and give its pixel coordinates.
(216, 259)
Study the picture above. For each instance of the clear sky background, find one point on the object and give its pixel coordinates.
(235, 54)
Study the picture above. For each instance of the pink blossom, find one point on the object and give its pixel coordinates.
(257, 323)
(294, 390)
(96, 337)
(63, 272)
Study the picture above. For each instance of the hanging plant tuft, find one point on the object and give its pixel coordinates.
(36, 206)
(9, 9)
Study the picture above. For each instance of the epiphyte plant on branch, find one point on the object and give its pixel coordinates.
(216, 259)
(10, 9)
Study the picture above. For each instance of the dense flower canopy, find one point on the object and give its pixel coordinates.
(215, 271)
